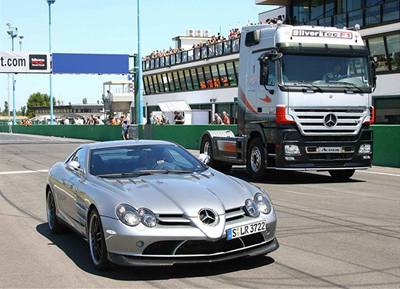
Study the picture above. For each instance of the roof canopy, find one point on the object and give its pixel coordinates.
(174, 106)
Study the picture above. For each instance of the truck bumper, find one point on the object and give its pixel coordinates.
(321, 153)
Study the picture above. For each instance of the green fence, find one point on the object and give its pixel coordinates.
(387, 145)
(186, 135)
(386, 137)
(97, 133)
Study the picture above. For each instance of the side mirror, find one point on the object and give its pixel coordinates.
(373, 72)
(74, 166)
(252, 38)
(204, 158)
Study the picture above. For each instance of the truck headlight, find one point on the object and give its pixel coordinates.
(128, 215)
(365, 149)
(263, 203)
(292, 150)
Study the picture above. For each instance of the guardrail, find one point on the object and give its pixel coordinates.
(386, 137)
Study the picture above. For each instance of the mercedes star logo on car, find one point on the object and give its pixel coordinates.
(208, 216)
(330, 120)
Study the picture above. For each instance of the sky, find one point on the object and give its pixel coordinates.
(100, 26)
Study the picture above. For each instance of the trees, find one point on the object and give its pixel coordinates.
(36, 100)
(23, 110)
(6, 108)
(84, 100)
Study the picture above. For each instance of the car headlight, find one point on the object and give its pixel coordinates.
(148, 218)
(128, 215)
(263, 203)
(251, 208)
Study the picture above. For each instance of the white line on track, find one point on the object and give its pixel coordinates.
(23, 172)
(378, 173)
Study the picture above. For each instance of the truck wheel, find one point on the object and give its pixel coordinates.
(341, 175)
(255, 162)
(206, 148)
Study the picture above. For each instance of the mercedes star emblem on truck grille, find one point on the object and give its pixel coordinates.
(330, 120)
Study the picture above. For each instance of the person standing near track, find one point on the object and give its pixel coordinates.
(125, 129)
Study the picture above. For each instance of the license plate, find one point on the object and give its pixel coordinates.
(329, 149)
(245, 230)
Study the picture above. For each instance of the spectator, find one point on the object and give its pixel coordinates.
(179, 119)
(125, 130)
(225, 118)
(218, 119)
(233, 34)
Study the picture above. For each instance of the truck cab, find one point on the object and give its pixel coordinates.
(304, 103)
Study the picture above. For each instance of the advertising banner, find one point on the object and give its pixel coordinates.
(24, 62)
(74, 63)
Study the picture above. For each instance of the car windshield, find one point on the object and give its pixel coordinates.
(142, 160)
(317, 71)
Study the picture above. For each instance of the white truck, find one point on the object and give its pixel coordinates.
(304, 103)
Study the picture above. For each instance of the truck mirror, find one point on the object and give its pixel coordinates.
(252, 38)
(373, 72)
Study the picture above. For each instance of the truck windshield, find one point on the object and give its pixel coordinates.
(325, 71)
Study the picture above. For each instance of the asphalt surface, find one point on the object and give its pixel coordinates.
(332, 234)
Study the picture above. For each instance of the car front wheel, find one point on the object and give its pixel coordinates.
(97, 243)
(53, 222)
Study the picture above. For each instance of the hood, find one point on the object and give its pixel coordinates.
(184, 194)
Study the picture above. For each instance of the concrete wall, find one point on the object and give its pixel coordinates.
(386, 137)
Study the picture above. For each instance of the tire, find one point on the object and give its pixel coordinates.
(255, 161)
(341, 175)
(206, 148)
(97, 244)
(55, 225)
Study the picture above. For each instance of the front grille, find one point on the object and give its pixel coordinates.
(234, 214)
(207, 247)
(173, 220)
(311, 121)
(161, 248)
(333, 157)
(202, 247)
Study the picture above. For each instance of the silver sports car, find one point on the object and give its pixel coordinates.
(154, 203)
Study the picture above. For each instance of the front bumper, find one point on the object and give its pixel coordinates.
(308, 160)
(126, 260)
(171, 244)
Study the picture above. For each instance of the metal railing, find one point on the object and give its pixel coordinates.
(222, 48)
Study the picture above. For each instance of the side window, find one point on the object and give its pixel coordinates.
(271, 73)
(80, 158)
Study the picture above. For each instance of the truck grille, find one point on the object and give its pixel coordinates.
(326, 121)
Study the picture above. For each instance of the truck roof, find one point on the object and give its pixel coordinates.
(308, 34)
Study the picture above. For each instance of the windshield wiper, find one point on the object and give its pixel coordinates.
(352, 85)
(125, 175)
(144, 173)
(309, 85)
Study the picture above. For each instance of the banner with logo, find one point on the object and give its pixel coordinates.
(24, 62)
